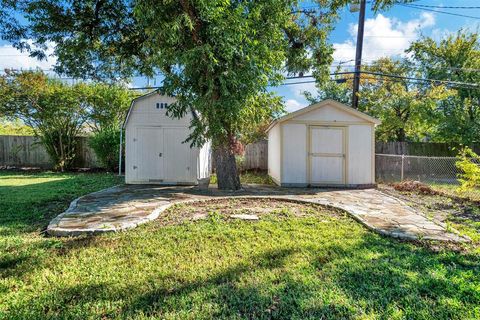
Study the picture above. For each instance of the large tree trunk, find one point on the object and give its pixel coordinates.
(226, 168)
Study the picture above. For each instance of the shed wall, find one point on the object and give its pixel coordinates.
(204, 161)
(294, 149)
(360, 154)
(274, 153)
(327, 113)
(188, 164)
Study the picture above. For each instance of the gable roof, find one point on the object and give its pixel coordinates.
(321, 104)
(133, 102)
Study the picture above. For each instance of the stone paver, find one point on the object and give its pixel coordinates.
(127, 206)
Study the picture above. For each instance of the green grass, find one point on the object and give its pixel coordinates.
(249, 177)
(453, 191)
(323, 265)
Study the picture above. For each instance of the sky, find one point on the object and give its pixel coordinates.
(387, 34)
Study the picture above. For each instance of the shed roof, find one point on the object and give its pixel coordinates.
(321, 104)
(193, 112)
(133, 102)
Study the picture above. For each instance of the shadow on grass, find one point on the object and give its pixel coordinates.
(375, 276)
(30, 207)
(339, 282)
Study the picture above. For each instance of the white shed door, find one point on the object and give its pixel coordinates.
(178, 156)
(327, 155)
(149, 154)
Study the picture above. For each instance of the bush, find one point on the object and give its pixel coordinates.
(469, 163)
(106, 144)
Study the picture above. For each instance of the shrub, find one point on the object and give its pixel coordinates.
(55, 111)
(106, 144)
(469, 164)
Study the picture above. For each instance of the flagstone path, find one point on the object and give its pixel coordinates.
(127, 206)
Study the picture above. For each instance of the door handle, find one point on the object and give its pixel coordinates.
(160, 154)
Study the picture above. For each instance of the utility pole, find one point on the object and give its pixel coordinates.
(358, 54)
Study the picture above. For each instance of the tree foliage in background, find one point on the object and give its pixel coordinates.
(108, 106)
(408, 110)
(14, 127)
(455, 58)
(254, 120)
(416, 110)
(338, 89)
(58, 113)
(55, 111)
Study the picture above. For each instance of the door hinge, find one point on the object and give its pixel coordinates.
(160, 154)
(134, 139)
(135, 167)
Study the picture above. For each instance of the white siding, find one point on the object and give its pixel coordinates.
(145, 113)
(274, 153)
(348, 159)
(360, 155)
(204, 162)
(181, 164)
(294, 151)
(180, 161)
(328, 113)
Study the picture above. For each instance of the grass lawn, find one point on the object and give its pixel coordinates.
(251, 177)
(295, 263)
(453, 191)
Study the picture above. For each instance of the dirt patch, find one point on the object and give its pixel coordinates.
(414, 186)
(226, 208)
(462, 214)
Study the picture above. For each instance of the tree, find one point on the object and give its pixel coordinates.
(14, 127)
(255, 120)
(55, 111)
(408, 109)
(454, 58)
(216, 56)
(339, 89)
(108, 106)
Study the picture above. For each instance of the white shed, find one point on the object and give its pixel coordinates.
(325, 144)
(154, 148)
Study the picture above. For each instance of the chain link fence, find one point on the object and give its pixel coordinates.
(439, 172)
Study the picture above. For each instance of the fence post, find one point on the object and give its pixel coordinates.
(401, 171)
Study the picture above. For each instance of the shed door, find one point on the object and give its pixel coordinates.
(178, 156)
(149, 154)
(327, 155)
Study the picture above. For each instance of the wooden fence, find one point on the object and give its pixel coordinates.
(26, 151)
(256, 156)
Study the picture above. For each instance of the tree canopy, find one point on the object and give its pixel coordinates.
(456, 57)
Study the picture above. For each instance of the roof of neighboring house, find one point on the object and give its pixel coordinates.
(321, 104)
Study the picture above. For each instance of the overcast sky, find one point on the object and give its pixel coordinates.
(386, 34)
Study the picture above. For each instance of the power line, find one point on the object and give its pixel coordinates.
(414, 79)
(446, 7)
(413, 6)
(380, 74)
